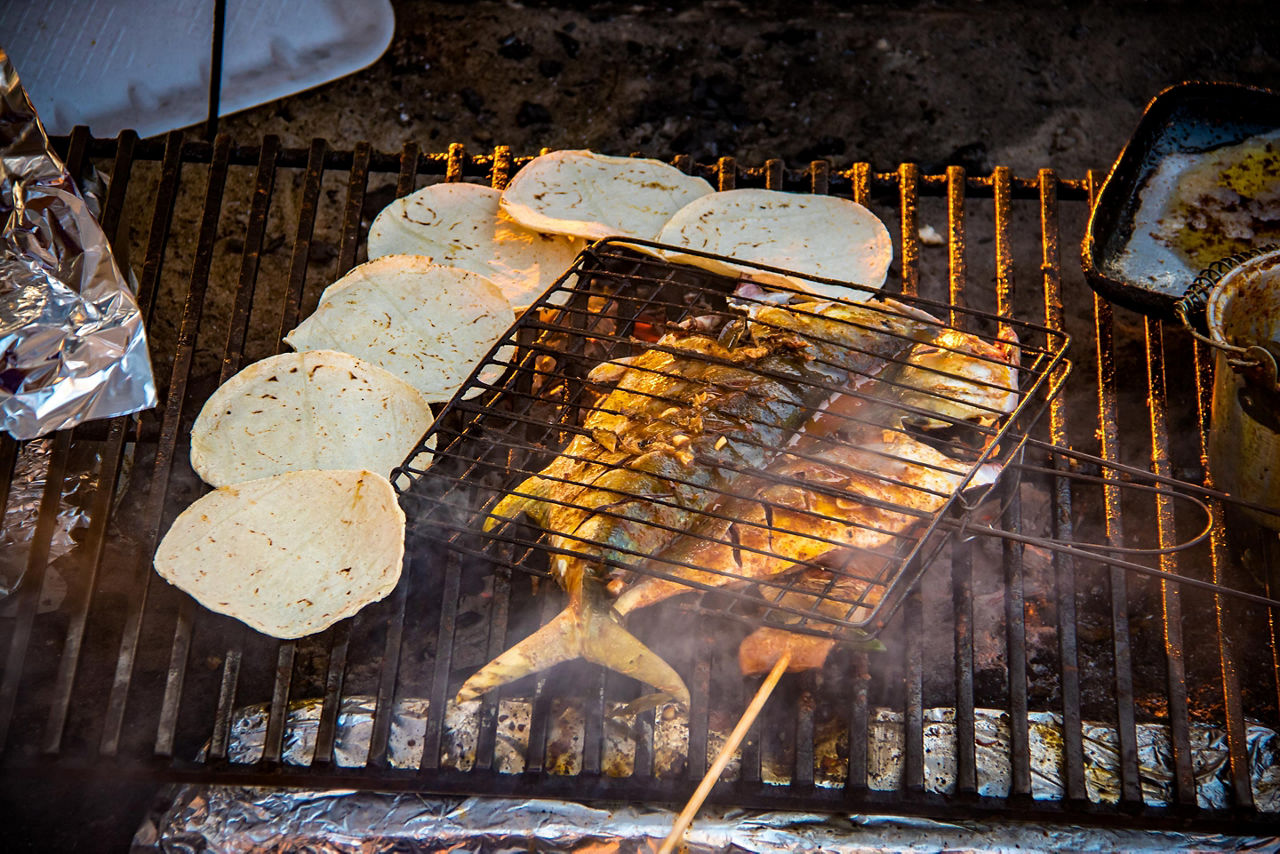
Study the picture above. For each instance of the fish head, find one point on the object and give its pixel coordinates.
(956, 382)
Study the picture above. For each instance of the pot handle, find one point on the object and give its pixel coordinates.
(1190, 310)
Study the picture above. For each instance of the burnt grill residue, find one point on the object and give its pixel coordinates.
(127, 675)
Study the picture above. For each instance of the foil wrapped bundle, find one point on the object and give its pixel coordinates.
(72, 345)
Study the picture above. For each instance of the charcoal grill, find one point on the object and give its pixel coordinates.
(127, 677)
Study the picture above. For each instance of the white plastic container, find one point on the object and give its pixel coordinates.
(144, 64)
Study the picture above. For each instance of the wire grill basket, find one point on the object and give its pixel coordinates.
(885, 449)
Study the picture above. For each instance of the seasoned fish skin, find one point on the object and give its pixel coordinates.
(685, 418)
(628, 481)
(960, 378)
(854, 447)
(898, 482)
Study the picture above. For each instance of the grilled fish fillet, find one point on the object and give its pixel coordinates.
(852, 589)
(685, 418)
(852, 480)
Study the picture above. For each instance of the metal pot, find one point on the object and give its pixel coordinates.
(1243, 319)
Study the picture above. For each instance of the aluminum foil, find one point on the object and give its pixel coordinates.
(235, 819)
(231, 819)
(22, 512)
(72, 345)
(885, 754)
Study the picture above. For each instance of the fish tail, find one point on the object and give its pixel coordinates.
(607, 643)
(557, 641)
(583, 630)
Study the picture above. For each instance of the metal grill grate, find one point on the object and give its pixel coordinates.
(127, 676)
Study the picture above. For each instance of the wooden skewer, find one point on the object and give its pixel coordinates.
(726, 753)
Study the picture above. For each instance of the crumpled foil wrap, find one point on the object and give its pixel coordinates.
(231, 819)
(72, 345)
(228, 818)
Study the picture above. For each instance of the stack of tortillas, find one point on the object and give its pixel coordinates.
(304, 528)
(591, 195)
(525, 237)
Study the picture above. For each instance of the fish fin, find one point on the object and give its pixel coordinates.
(588, 633)
(527, 498)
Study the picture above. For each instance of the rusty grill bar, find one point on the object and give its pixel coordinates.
(128, 676)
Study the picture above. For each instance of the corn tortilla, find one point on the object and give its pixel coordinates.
(322, 409)
(461, 225)
(428, 325)
(584, 194)
(290, 554)
(822, 236)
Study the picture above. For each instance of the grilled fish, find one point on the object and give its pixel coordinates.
(858, 577)
(853, 480)
(685, 417)
(980, 393)
(824, 592)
